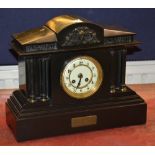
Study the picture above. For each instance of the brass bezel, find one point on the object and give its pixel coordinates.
(91, 91)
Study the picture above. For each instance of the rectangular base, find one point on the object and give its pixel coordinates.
(69, 121)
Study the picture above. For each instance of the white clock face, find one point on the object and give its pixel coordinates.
(82, 77)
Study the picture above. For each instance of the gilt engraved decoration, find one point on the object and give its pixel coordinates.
(80, 36)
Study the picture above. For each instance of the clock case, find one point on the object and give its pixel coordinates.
(41, 108)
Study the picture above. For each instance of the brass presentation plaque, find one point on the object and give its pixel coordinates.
(83, 121)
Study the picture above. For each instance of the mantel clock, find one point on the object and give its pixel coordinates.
(72, 79)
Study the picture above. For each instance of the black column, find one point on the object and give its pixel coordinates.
(30, 79)
(123, 69)
(113, 69)
(38, 79)
(44, 79)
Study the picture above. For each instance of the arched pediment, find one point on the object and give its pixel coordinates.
(74, 31)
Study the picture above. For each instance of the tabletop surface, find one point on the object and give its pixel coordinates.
(132, 135)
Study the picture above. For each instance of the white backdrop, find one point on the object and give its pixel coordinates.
(137, 72)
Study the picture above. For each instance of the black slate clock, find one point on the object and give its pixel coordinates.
(71, 79)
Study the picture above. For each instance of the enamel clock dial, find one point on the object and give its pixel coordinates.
(82, 77)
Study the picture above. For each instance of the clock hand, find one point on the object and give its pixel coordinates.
(80, 76)
(79, 83)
